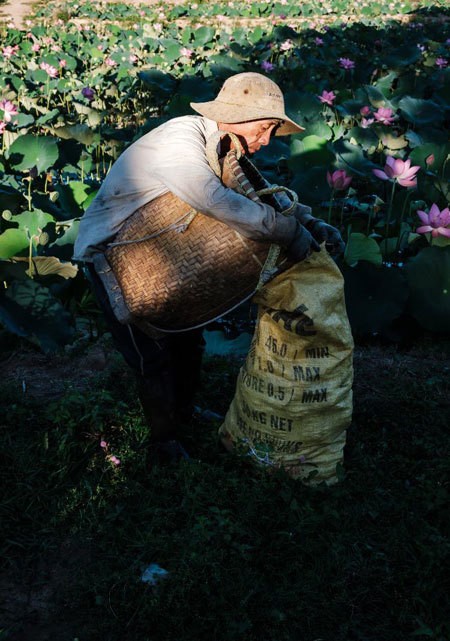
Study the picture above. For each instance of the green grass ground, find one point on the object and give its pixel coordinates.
(249, 556)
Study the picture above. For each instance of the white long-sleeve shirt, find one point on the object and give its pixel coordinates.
(172, 158)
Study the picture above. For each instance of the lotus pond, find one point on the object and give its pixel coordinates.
(371, 86)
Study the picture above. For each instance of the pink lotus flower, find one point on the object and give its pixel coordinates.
(2, 126)
(63, 63)
(267, 66)
(10, 51)
(366, 122)
(441, 63)
(8, 110)
(346, 63)
(399, 171)
(286, 45)
(132, 58)
(338, 180)
(110, 62)
(429, 160)
(365, 111)
(103, 445)
(187, 53)
(384, 115)
(52, 71)
(318, 41)
(437, 222)
(113, 459)
(327, 97)
(36, 47)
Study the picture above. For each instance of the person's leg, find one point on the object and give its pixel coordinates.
(153, 362)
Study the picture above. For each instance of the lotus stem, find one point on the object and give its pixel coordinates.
(331, 205)
(389, 213)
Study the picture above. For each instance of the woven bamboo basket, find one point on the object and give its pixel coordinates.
(173, 269)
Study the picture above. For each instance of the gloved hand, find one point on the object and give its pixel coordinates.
(302, 245)
(322, 232)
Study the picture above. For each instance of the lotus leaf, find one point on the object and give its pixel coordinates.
(12, 242)
(421, 112)
(361, 247)
(428, 276)
(375, 297)
(30, 151)
(29, 309)
(49, 266)
(32, 222)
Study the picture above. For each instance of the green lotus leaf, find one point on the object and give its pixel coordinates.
(32, 222)
(316, 128)
(54, 113)
(361, 247)
(23, 120)
(12, 242)
(375, 296)
(310, 185)
(29, 309)
(10, 198)
(303, 107)
(401, 57)
(159, 82)
(63, 245)
(428, 276)
(376, 96)
(421, 112)
(351, 158)
(367, 138)
(30, 151)
(94, 117)
(81, 132)
(311, 151)
(436, 154)
(203, 36)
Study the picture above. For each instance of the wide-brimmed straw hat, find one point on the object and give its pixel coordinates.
(248, 96)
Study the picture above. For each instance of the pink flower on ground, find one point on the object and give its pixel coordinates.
(286, 45)
(52, 71)
(338, 180)
(10, 51)
(103, 445)
(114, 460)
(2, 126)
(132, 58)
(62, 63)
(110, 62)
(327, 97)
(384, 115)
(267, 66)
(8, 110)
(441, 63)
(35, 47)
(398, 170)
(186, 52)
(365, 111)
(346, 63)
(437, 222)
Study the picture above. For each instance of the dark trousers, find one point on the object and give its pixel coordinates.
(167, 369)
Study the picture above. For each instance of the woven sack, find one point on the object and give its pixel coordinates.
(173, 269)
(293, 400)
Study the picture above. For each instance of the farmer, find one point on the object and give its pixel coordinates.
(172, 158)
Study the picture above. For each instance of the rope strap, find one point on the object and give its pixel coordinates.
(177, 226)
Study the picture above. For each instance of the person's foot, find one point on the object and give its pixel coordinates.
(166, 453)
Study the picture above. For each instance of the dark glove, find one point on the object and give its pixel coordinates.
(321, 231)
(302, 245)
(324, 233)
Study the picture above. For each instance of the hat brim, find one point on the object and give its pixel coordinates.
(226, 113)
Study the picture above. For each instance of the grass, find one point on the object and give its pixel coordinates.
(248, 556)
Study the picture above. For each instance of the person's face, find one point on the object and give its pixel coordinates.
(252, 135)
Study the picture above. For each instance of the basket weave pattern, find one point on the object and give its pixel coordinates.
(179, 280)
